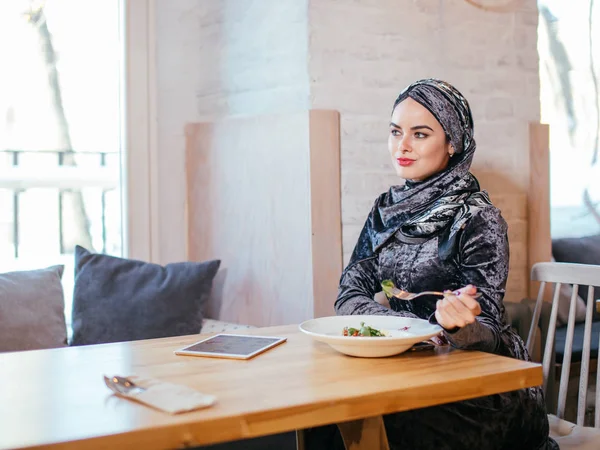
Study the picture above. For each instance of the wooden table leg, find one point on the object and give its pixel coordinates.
(300, 440)
(364, 434)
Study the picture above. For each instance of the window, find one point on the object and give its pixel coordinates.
(569, 48)
(61, 122)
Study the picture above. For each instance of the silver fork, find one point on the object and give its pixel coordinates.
(404, 295)
(122, 385)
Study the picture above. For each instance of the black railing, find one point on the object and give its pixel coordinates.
(63, 158)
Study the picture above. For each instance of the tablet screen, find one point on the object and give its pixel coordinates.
(232, 345)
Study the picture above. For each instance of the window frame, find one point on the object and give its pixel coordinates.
(139, 168)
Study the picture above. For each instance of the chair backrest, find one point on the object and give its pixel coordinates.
(575, 275)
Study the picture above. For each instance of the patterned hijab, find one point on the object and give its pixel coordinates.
(441, 204)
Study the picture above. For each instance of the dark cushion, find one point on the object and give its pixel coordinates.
(577, 352)
(582, 250)
(32, 310)
(117, 299)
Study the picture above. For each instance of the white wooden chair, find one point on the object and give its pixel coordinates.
(567, 434)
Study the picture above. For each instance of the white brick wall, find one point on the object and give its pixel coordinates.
(226, 57)
(216, 58)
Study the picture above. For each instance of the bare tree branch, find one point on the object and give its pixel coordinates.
(74, 212)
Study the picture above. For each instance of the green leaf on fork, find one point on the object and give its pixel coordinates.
(388, 288)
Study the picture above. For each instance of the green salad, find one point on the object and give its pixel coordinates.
(364, 330)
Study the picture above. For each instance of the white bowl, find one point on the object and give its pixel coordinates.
(330, 330)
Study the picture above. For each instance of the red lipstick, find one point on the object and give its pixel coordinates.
(404, 162)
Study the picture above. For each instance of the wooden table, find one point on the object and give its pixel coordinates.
(57, 398)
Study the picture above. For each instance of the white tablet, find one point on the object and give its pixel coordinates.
(236, 346)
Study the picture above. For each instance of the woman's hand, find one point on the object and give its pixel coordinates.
(457, 309)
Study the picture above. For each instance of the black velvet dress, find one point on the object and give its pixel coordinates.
(515, 420)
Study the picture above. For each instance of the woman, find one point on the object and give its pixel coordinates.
(440, 232)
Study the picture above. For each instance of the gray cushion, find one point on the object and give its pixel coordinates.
(118, 299)
(583, 250)
(32, 310)
(577, 350)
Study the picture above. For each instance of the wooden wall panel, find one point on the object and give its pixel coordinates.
(326, 219)
(539, 238)
(263, 196)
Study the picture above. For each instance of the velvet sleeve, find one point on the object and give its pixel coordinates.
(483, 262)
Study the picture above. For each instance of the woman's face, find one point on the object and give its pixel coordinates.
(417, 142)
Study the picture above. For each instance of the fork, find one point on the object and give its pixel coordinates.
(122, 385)
(392, 291)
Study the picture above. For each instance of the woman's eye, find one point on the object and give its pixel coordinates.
(395, 132)
(420, 135)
